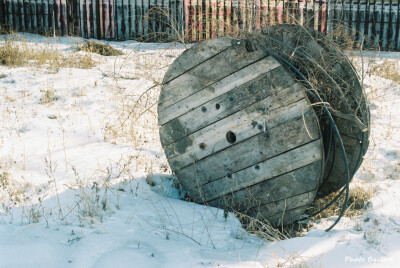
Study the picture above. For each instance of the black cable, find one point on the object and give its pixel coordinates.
(336, 131)
(332, 138)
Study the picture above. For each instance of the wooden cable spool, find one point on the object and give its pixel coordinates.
(336, 80)
(239, 131)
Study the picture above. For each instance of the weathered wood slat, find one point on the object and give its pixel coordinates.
(198, 78)
(94, 19)
(2, 16)
(107, 22)
(267, 169)
(140, 18)
(266, 114)
(237, 79)
(254, 150)
(126, 19)
(237, 121)
(282, 218)
(133, 18)
(34, 17)
(272, 189)
(81, 21)
(203, 50)
(145, 20)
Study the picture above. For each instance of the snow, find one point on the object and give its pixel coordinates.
(79, 188)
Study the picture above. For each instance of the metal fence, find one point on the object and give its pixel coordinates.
(374, 24)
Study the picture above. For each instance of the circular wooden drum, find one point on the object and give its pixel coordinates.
(239, 131)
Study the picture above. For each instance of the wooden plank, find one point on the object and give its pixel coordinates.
(303, 181)
(94, 18)
(39, 16)
(140, 18)
(22, 15)
(112, 19)
(285, 217)
(106, 16)
(15, 14)
(34, 17)
(133, 19)
(264, 174)
(2, 16)
(223, 64)
(213, 18)
(267, 114)
(125, 8)
(236, 79)
(145, 19)
(46, 15)
(203, 51)
(213, 139)
(51, 16)
(181, 17)
(10, 18)
(275, 141)
(172, 20)
(89, 26)
(81, 19)
(154, 18)
(165, 32)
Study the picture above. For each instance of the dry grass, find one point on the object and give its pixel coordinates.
(389, 69)
(15, 51)
(100, 48)
(359, 197)
(268, 232)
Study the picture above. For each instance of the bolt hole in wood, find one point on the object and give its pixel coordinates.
(203, 109)
(260, 127)
(257, 166)
(217, 106)
(202, 146)
(229, 175)
(230, 137)
(230, 99)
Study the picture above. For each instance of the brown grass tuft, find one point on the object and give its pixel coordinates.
(358, 202)
(15, 51)
(100, 48)
(389, 69)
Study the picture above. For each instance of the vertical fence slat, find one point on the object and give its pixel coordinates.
(397, 26)
(94, 18)
(50, 11)
(125, 8)
(81, 20)
(88, 19)
(39, 16)
(1, 14)
(107, 22)
(133, 19)
(118, 18)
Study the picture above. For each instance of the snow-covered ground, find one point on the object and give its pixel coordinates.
(79, 151)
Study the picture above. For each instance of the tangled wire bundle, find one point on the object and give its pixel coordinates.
(337, 96)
